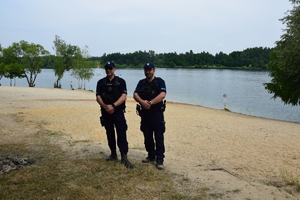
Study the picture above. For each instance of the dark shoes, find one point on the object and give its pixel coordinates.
(127, 164)
(159, 165)
(125, 161)
(111, 157)
(146, 160)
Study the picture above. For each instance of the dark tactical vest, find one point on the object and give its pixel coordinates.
(111, 91)
(149, 90)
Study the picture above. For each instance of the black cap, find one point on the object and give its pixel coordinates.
(110, 64)
(150, 65)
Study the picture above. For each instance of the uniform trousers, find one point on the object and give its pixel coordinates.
(116, 121)
(153, 128)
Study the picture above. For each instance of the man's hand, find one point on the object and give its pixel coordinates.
(109, 109)
(146, 104)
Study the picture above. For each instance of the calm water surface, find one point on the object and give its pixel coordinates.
(205, 87)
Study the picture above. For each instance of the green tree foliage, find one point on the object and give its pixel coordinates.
(83, 69)
(23, 60)
(129, 59)
(256, 58)
(26, 60)
(64, 59)
(1, 63)
(10, 64)
(285, 60)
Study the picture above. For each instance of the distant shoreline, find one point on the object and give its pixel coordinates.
(130, 99)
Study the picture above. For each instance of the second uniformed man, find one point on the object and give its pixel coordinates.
(150, 93)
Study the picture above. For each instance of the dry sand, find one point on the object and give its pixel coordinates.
(236, 155)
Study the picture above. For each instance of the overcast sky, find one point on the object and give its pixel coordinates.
(131, 25)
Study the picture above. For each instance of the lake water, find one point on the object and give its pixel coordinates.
(204, 87)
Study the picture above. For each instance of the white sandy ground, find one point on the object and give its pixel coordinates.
(232, 154)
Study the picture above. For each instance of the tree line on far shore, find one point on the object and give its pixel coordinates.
(251, 58)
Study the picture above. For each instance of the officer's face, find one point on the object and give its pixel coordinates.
(110, 71)
(149, 72)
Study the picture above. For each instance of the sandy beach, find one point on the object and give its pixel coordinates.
(218, 149)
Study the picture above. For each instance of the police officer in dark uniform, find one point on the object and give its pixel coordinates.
(150, 93)
(111, 93)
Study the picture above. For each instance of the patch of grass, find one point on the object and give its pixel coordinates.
(185, 197)
(57, 176)
(79, 141)
(13, 149)
(184, 178)
(290, 179)
(216, 195)
(187, 188)
(52, 133)
(41, 123)
(298, 186)
(45, 133)
(236, 191)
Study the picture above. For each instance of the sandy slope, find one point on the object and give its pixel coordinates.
(223, 151)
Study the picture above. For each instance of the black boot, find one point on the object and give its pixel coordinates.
(125, 161)
(113, 156)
